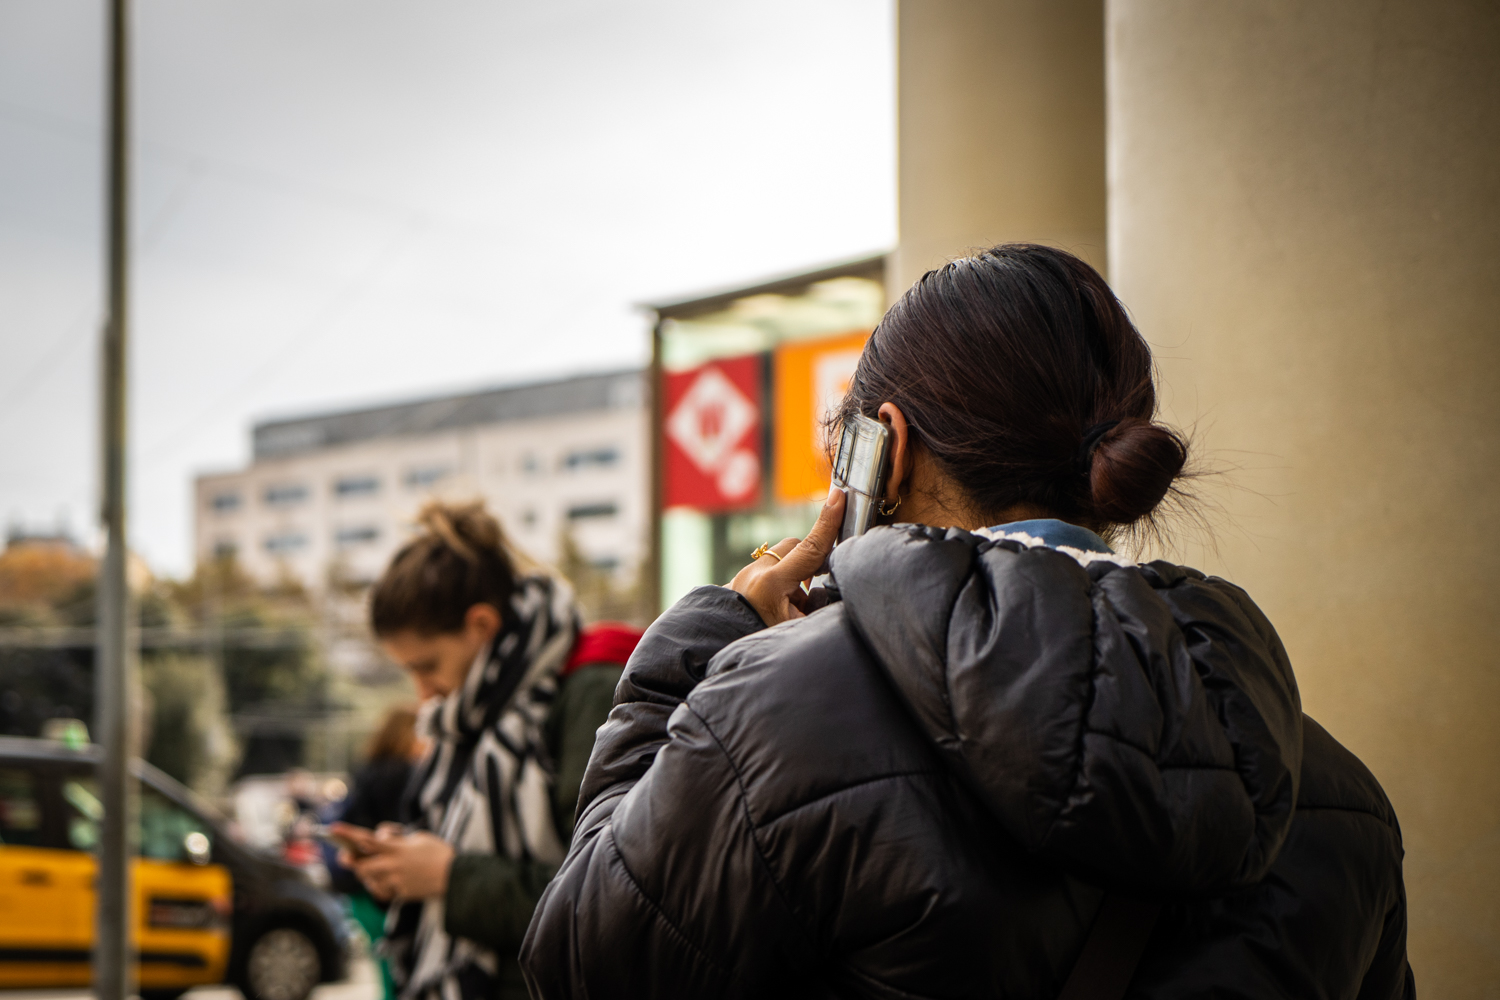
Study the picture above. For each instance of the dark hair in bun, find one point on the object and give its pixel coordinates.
(1020, 372)
(459, 558)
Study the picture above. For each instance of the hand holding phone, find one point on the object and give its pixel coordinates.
(395, 863)
(358, 841)
(773, 583)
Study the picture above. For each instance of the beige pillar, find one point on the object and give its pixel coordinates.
(1305, 222)
(1001, 128)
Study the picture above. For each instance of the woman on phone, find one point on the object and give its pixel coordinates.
(1003, 760)
(511, 703)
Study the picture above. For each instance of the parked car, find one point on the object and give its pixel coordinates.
(208, 910)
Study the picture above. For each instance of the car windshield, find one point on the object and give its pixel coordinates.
(20, 809)
(164, 824)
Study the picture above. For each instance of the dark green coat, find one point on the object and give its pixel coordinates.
(490, 897)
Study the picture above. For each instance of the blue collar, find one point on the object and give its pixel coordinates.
(1054, 534)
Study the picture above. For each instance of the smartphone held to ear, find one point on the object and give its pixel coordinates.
(860, 471)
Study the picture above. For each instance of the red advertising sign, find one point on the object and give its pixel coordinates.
(711, 432)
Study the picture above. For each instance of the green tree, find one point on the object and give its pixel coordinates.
(271, 672)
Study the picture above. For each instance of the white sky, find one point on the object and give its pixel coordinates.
(348, 201)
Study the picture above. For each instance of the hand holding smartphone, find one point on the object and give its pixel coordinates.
(775, 589)
(358, 841)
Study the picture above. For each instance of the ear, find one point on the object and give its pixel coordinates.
(482, 621)
(902, 458)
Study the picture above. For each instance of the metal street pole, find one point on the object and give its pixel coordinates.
(651, 586)
(114, 659)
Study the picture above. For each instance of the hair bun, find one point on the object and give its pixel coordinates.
(466, 528)
(459, 558)
(1133, 467)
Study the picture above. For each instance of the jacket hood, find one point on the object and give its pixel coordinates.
(1139, 725)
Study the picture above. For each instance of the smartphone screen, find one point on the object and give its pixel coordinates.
(860, 470)
(339, 840)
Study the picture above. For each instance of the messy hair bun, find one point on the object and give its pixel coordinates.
(460, 558)
(1019, 371)
(1132, 469)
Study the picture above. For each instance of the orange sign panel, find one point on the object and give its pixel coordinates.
(811, 378)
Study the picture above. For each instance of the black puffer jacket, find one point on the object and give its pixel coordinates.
(923, 790)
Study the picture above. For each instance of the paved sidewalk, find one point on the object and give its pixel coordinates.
(362, 984)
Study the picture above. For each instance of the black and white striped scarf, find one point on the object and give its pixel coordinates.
(485, 785)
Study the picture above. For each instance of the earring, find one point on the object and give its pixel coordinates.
(880, 506)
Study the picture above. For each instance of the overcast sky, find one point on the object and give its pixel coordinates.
(349, 201)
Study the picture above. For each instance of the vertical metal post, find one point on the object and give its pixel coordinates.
(653, 568)
(114, 658)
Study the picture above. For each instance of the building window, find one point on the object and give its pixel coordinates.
(356, 486)
(531, 465)
(528, 518)
(580, 512)
(591, 458)
(223, 503)
(363, 535)
(285, 495)
(424, 476)
(225, 549)
(287, 541)
(605, 564)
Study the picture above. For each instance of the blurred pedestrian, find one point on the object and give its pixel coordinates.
(376, 798)
(379, 784)
(488, 638)
(1003, 760)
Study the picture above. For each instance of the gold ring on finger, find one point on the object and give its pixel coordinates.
(764, 550)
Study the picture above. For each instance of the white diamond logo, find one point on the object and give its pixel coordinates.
(710, 419)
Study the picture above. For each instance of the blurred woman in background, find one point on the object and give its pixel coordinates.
(378, 785)
(489, 639)
(375, 798)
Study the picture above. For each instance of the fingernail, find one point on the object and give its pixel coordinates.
(834, 493)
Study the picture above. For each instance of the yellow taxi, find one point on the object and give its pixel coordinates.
(206, 909)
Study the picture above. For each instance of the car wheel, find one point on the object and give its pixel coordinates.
(282, 964)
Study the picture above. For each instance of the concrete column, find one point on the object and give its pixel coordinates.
(1305, 222)
(1000, 109)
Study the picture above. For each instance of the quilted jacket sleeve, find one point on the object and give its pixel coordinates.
(660, 815)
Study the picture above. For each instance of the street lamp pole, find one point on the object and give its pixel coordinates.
(114, 659)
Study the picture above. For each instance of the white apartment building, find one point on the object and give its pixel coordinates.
(337, 492)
